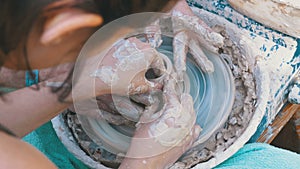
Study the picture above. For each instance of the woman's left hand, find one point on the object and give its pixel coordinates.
(120, 71)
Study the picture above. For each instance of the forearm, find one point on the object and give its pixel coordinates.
(24, 110)
(16, 78)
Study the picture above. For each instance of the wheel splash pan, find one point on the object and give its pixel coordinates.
(213, 95)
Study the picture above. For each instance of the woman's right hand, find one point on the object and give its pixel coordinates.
(159, 143)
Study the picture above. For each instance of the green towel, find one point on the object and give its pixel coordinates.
(45, 139)
(262, 156)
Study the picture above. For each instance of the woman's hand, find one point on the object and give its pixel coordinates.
(160, 143)
(190, 33)
(120, 71)
(193, 35)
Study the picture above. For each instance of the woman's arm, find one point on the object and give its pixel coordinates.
(16, 78)
(24, 110)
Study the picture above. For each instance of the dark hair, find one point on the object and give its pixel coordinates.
(18, 16)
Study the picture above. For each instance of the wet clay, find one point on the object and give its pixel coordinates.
(176, 117)
(240, 116)
(208, 39)
(190, 34)
(107, 75)
(242, 111)
(128, 57)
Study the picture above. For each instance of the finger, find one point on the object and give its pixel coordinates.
(138, 44)
(104, 115)
(113, 119)
(140, 85)
(144, 98)
(207, 37)
(105, 102)
(170, 92)
(192, 137)
(153, 34)
(211, 41)
(153, 111)
(127, 108)
(187, 102)
(180, 49)
(147, 99)
(197, 131)
(189, 118)
(200, 57)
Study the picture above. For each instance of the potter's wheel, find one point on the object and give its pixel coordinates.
(213, 95)
(218, 141)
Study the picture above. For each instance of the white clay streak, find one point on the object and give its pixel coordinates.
(106, 74)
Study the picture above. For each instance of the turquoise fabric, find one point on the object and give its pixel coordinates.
(31, 77)
(46, 140)
(262, 156)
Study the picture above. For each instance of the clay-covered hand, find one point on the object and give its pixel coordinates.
(120, 110)
(123, 69)
(115, 109)
(120, 71)
(193, 35)
(159, 143)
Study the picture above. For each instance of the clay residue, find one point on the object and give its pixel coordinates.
(294, 94)
(208, 39)
(176, 117)
(107, 75)
(129, 56)
(95, 151)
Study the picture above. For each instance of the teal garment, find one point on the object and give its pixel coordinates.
(262, 156)
(45, 139)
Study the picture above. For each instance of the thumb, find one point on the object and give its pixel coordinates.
(142, 85)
